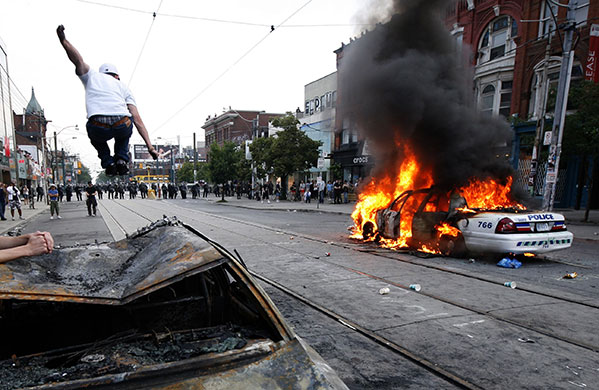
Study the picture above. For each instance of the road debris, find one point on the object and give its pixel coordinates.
(506, 262)
(415, 287)
(571, 275)
(384, 291)
(511, 285)
(526, 340)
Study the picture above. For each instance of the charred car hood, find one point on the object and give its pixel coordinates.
(109, 273)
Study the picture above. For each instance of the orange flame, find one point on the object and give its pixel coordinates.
(445, 229)
(378, 195)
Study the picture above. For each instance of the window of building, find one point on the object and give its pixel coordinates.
(496, 39)
(582, 14)
(505, 101)
(334, 99)
(487, 100)
(547, 23)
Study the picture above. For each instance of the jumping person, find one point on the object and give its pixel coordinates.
(110, 108)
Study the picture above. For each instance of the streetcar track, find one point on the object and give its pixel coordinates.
(387, 255)
(371, 335)
(484, 313)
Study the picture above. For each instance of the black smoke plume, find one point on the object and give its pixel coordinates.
(404, 82)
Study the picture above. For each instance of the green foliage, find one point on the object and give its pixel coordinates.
(102, 178)
(260, 149)
(292, 150)
(185, 173)
(84, 176)
(581, 134)
(336, 171)
(223, 162)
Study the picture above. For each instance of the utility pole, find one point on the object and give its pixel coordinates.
(536, 150)
(195, 158)
(64, 172)
(55, 159)
(563, 86)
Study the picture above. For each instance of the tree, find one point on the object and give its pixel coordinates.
(290, 151)
(102, 178)
(84, 176)
(185, 173)
(260, 149)
(223, 163)
(581, 134)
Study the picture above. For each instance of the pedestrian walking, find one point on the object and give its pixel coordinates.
(14, 200)
(69, 192)
(91, 201)
(53, 198)
(110, 109)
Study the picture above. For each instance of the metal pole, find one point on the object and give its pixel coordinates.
(55, 159)
(195, 159)
(560, 109)
(536, 150)
(64, 171)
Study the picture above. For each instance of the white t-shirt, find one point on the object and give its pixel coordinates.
(105, 95)
(13, 193)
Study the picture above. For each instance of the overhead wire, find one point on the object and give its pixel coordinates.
(221, 75)
(217, 20)
(144, 44)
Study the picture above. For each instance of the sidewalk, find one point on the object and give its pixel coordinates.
(28, 214)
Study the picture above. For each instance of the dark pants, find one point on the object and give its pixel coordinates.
(100, 135)
(2, 209)
(91, 205)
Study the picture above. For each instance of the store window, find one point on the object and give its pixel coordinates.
(496, 40)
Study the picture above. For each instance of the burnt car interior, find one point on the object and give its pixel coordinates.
(201, 315)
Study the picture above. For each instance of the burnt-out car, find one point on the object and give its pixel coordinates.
(439, 221)
(165, 308)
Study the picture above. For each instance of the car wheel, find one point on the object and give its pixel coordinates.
(368, 230)
(452, 246)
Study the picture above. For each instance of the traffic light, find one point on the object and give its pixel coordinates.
(79, 165)
(79, 171)
(141, 165)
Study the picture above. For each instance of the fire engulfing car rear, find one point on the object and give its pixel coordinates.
(439, 222)
(164, 308)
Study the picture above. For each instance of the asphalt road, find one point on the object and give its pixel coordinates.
(464, 324)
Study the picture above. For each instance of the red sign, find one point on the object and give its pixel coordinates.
(591, 72)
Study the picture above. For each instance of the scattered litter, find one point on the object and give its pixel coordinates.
(571, 275)
(415, 287)
(511, 285)
(526, 340)
(327, 254)
(596, 233)
(291, 238)
(93, 358)
(384, 291)
(506, 262)
(472, 261)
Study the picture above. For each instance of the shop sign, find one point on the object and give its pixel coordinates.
(360, 160)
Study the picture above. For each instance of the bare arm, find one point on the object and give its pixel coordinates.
(31, 244)
(141, 129)
(81, 67)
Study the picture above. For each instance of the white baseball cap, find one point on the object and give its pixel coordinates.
(108, 68)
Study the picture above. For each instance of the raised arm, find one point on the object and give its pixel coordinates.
(81, 67)
(141, 129)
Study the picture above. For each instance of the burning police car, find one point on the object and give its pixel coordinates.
(166, 308)
(438, 222)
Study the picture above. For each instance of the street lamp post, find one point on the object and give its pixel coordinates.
(55, 165)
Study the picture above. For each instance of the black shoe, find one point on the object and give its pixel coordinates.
(122, 168)
(111, 170)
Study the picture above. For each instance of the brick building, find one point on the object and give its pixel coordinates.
(516, 54)
(237, 126)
